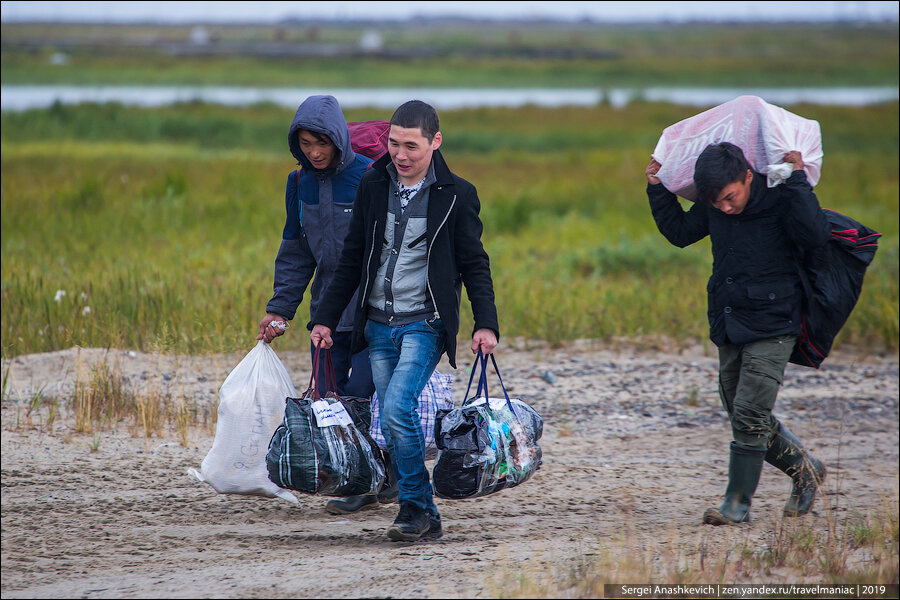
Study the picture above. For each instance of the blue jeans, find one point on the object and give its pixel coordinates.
(352, 371)
(403, 359)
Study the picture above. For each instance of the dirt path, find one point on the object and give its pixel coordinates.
(635, 447)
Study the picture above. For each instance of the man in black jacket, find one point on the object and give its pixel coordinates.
(754, 307)
(414, 239)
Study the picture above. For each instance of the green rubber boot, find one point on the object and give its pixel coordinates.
(787, 454)
(744, 469)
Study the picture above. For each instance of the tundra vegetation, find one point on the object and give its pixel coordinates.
(157, 228)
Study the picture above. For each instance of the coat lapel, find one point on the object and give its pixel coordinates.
(441, 197)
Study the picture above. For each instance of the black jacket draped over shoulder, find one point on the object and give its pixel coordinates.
(456, 255)
(755, 290)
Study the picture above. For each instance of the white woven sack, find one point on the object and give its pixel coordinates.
(764, 132)
(251, 407)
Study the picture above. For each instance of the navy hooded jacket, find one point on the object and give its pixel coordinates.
(319, 207)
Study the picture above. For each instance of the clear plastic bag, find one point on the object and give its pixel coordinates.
(251, 407)
(486, 445)
(764, 132)
(508, 450)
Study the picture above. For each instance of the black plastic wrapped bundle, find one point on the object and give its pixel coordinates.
(486, 445)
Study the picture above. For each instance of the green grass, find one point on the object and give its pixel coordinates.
(471, 54)
(165, 222)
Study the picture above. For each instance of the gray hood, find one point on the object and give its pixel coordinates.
(322, 114)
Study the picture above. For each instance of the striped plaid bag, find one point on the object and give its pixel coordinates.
(437, 395)
(323, 445)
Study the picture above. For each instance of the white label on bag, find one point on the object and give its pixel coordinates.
(328, 415)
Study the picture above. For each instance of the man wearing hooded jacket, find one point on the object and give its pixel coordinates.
(754, 310)
(319, 205)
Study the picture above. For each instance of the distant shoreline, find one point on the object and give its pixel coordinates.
(25, 97)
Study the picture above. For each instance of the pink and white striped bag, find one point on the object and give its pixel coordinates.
(438, 394)
(764, 132)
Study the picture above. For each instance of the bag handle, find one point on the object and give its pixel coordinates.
(330, 377)
(482, 383)
(503, 387)
(482, 379)
(322, 358)
(313, 388)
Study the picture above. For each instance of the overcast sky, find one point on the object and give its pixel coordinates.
(220, 11)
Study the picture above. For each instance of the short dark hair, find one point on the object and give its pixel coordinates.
(319, 136)
(417, 114)
(717, 166)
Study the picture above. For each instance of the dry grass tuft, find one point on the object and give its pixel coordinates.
(102, 398)
(857, 548)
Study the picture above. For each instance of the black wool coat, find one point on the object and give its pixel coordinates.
(755, 290)
(456, 255)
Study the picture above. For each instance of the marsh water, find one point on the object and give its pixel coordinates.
(24, 97)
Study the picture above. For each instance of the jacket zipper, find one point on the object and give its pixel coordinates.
(428, 257)
(362, 299)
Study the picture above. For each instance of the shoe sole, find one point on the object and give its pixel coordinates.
(398, 536)
(335, 510)
(712, 516)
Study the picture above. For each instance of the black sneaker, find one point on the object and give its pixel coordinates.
(345, 506)
(412, 523)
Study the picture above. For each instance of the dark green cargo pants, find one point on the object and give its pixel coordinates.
(749, 378)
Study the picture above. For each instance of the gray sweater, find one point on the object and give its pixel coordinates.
(400, 291)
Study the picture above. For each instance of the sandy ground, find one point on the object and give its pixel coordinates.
(635, 448)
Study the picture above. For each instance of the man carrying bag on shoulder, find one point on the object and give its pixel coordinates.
(755, 307)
